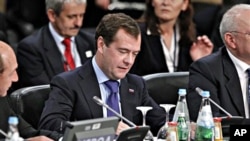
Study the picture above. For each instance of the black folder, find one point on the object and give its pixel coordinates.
(235, 120)
(133, 134)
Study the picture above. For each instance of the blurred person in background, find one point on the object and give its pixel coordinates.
(169, 40)
(8, 74)
(225, 73)
(42, 55)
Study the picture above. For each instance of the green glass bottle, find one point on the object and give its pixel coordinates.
(182, 127)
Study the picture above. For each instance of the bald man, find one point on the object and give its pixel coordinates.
(8, 66)
(8, 74)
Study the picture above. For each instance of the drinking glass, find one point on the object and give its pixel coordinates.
(144, 110)
(161, 135)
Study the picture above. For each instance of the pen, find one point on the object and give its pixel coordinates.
(61, 126)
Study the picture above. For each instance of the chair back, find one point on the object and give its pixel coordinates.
(29, 102)
(163, 87)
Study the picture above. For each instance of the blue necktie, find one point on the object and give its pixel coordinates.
(248, 94)
(112, 100)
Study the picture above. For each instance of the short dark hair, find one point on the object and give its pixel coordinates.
(111, 23)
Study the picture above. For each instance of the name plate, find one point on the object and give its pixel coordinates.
(96, 135)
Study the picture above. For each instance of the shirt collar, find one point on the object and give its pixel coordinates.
(241, 66)
(101, 77)
(58, 38)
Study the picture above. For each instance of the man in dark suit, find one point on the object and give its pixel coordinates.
(8, 65)
(118, 41)
(41, 55)
(224, 72)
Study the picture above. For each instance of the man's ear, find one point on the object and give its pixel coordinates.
(51, 15)
(100, 43)
(230, 40)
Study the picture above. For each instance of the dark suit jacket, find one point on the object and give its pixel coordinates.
(39, 58)
(151, 58)
(72, 94)
(25, 129)
(217, 74)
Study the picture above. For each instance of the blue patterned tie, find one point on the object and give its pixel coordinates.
(112, 100)
(248, 94)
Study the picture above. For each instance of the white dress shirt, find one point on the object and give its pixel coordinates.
(241, 68)
(58, 39)
(105, 91)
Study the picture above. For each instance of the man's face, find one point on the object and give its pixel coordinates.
(69, 21)
(117, 59)
(238, 40)
(9, 74)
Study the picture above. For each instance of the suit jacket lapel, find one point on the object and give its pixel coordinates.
(83, 46)
(156, 47)
(90, 88)
(79, 44)
(233, 83)
(53, 55)
(127, 98)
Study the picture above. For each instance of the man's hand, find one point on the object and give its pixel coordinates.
(121, 126)
(103, 4)
(39, 138)
(193, 128)
(202, 47)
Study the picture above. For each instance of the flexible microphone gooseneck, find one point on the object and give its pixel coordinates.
(101, 103)
(199, 91)
(3, 133)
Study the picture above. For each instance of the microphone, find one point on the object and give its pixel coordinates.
(199, 91)
(101, 103)
(227, 120)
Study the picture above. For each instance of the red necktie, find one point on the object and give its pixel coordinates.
(69, 63)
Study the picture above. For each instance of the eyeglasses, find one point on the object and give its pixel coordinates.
(245, 33)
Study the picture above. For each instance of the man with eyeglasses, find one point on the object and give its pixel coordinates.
(224, 73)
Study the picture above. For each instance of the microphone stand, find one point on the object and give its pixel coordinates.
(101, 103)
(3, 133)
(199, 91)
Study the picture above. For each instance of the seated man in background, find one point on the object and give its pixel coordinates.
(118, 40)
(224, 73)
(8, 66)
(57, 47)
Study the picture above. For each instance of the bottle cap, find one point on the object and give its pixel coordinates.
(182, 92)
(205, 93)
(217, 119)
(13, 120)
(172, 123)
